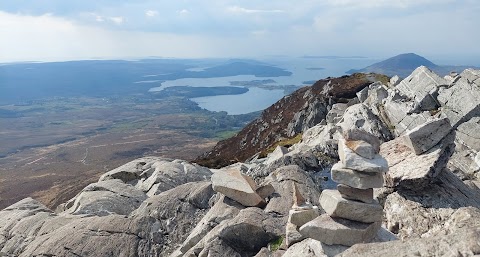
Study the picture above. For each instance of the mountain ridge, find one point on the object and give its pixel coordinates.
(404, 64)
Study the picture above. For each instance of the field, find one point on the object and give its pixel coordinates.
(52, 148)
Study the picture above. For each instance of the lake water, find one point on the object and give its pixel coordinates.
(257, 99)
(254, 100)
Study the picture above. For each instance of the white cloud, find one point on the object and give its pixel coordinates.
(183, 12)
(151, 13)
(237, 9)
(117, 20)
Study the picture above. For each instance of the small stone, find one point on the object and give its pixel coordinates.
(351, 193)
(361, 148)
(356, 179)
(265, 191)
(356, 134)
(351, 160)
(298, 199)
(300, 217)
(422, 138)
(292, 235)
(330, 230)
(337, 206)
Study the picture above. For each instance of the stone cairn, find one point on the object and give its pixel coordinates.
(352, 215)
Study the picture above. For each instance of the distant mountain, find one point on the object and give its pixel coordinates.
(404, 64)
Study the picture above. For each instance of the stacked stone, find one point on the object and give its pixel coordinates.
(352, 215)
(300, 213)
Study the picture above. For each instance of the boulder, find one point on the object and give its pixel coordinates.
(362, 148)
(233, 184)
(224, 209)
(360, 116)
(265, 190)
(107, 197)
(356, 179)
(302, 216)
(282, 200)
(460, 238)
(355, 134)
(351, 193)
(313, 248)
(399, 115)
(352, 160)
(165, 175)
(336, 113)
(337, 206)
(332, 231)
(278, 153)
(422, 86)
(133, 170)
(249, 231)
(292, 235)
(408, 170)
(427, 135)
(460, 101)
(468, 133)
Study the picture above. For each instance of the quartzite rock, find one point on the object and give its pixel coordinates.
(332, 231)
(468, 133)
(460, 101)
(292, 235)
(355, 134)
(421, 85)
(336, 206)
(351, 160)
(413, 171)
(351, 193)
(248, 231)
(360, 116)
(302, 216)
(233, 184)
(427, 135)
(356, 179)
(362, 148)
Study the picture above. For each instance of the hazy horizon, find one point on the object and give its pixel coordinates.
(56, 30)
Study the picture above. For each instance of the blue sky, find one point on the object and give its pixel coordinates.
(63, 30)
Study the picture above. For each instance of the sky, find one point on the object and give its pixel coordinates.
(46, 30)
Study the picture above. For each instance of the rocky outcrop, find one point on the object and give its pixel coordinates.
(291, 115)
(284, 204)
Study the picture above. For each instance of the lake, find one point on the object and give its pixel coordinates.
(256, 99)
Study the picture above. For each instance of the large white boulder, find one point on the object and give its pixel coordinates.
(427, 135)
(237, 186)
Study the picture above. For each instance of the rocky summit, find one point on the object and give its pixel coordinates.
(378, 167)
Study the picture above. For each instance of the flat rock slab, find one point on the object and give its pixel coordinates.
(362, 148)
(333, 231)
(422, 138)
(233, 184)
(351, 193)
(337, 206)
(412, 171)
(356, 179)
(352, 160)
(300, 217)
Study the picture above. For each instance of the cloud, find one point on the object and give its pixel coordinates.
(183, 12)
(117, 20)
(237, 9)
(151, 13)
